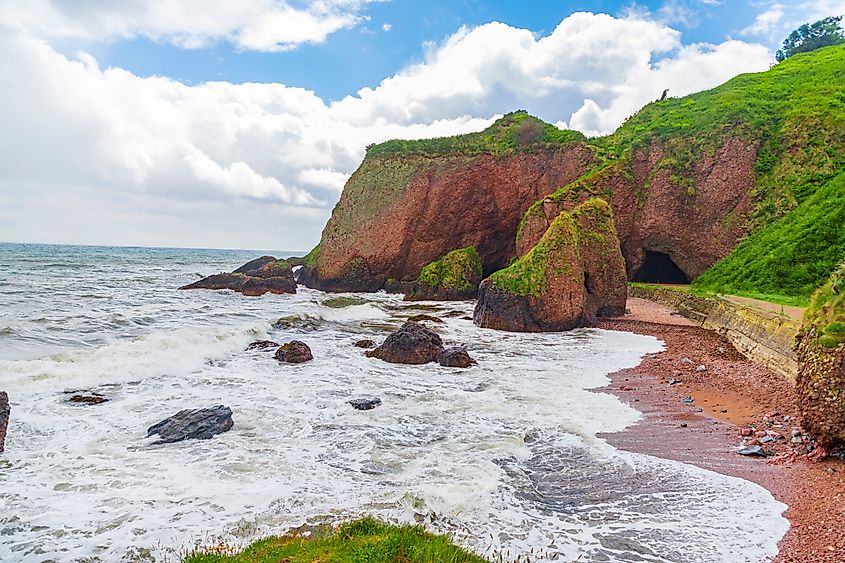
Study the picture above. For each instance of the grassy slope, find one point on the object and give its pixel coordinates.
(365, 540)
(827, 311)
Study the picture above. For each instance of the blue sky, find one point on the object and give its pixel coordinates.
(365, 54)
(214, 123)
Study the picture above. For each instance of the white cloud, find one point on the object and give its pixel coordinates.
(765, 21)
(278, 155)
(386, 27)
(260, 25)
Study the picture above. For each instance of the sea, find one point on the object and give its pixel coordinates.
(503, 456)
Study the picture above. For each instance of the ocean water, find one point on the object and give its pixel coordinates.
(503, 455)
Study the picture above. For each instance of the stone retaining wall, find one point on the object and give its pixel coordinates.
(764, 338)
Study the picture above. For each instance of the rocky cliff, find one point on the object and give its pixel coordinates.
(687, 179)
(821, 364)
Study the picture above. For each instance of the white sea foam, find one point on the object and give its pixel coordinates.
(503, 455)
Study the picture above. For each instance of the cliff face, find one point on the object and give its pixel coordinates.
(695, 222)
(399, 213)
(687, 180)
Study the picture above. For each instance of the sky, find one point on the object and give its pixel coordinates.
(220, 124)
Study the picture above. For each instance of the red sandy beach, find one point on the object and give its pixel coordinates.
(731, 397)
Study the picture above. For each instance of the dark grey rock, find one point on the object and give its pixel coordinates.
(365, 403)
(196, 424)
(92, 398)
(262, 345)
(687, 400)
(5, 411)
(411, 344)
(752, 451)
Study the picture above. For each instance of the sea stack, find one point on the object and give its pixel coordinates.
(574, 274)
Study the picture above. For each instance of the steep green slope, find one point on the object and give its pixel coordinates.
(795, 112)
(792, 256)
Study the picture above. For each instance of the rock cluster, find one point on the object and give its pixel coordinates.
(255, 278)
(5, 411)
(198, 424)
(573, 275)
(417, 344)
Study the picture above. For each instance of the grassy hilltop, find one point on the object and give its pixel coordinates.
(793, 113)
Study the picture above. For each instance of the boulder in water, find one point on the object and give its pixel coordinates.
(294, 352)
(255, 278)
(365, 343)
(5, 411)
(365, 403)
(262, 345)
(456, 357)
(193, 424)
(411, 344)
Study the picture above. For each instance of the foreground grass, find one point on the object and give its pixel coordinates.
(361, 541)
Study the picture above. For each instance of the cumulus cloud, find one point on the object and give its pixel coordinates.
(775, 21)
(279, 154)
(260, 25)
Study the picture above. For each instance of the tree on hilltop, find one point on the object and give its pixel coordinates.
(810, 37)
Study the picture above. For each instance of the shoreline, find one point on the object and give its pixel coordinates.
(729, 394)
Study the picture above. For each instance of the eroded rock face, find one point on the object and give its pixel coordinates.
(399, 213)
(653, 213)
(294, 352)
(5, 411)
(192, 424)
(821, 390)
(255, 278)
(572, 275)
(411, 344)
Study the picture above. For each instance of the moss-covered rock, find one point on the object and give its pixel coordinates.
(574, 273)
(821, 363)
(455, 276)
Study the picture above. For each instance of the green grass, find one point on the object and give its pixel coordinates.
(791, 257)
(514, 132)
(362, 541)
(458, 270)
(827, 310)
(311, 257)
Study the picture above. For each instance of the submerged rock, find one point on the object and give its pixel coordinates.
(255, 278)
(365, 403)
(456, 357)
(453, 277)
(262, 345)
(574, 274)
(5, 411)
(87, 399)
(192, 424)
(365, 343)
(423, 317)
(294, 352)
(411, 344)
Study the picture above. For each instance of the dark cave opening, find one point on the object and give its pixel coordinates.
(658, 267)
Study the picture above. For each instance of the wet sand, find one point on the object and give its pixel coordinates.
(730, 396)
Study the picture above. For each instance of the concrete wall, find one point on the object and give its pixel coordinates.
(764, 338)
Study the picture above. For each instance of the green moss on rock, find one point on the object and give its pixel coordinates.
(311, 257)
(458, 270)
(527, 276)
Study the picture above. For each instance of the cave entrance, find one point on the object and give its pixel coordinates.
(658, 267)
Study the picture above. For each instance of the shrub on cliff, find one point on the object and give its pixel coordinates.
(809, 37)
(826, 313)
